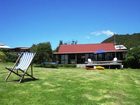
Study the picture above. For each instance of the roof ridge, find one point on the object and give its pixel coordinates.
(86, 44)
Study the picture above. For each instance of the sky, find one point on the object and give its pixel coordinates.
(27, 22)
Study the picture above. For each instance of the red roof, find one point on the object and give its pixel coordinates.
(86, 48)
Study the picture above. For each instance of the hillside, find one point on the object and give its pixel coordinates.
(128, 40)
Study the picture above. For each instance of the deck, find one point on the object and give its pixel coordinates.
(106, 64)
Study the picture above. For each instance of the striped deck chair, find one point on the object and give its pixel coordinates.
(22, 64)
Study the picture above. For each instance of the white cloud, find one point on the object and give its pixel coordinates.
(103, 32)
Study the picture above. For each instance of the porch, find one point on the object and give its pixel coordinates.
(106, 64)
(82, 58)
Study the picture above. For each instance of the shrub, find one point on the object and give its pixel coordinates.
(55, 65)
(133, 58)
(67, 65)
(2, 56)
(11, 56)
(43, 52)
(49, 65)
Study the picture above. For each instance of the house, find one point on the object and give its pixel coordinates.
(20, 49)
(80, 53)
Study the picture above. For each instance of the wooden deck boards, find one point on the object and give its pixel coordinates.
(109, 64)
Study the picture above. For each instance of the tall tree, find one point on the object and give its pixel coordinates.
(60, 43)
(44, 52)
(133, 58)
(2, 56)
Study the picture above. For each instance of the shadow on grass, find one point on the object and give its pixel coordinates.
(25, 80)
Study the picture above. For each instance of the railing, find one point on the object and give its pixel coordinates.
(106, 62)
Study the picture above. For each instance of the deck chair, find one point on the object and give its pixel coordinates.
(22, 64)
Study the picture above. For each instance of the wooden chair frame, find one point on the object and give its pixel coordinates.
(24, 72)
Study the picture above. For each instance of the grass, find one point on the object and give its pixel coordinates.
(65, 86)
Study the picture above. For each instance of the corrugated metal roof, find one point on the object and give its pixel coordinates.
(86, 48)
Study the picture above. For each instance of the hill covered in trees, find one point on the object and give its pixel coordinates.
(129, 40)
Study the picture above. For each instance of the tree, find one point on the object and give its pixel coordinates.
(128, 40)
(133, 58)
(11, 56)
(60, 43)
(2, 56)
(43, 52)
(70, 42)
(74, 42)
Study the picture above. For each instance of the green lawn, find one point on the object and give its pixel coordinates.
(65, 86)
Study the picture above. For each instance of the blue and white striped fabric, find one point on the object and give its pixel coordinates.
(25, 61)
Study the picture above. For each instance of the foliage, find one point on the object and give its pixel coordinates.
(43, 52)
(67, 65)
(66, 86)
(2, 56)
(55, 65)
(11, 56)
(129, 41)
(57, 48)
(133, 58)
(49, 65)
(73, 42)
(69, 42)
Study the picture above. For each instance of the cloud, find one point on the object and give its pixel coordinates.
(103, 32)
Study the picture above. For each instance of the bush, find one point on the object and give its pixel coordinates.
(55, 65)
(67, 65)
(11, 56)
(49, 65)
(2, 56)
(133, 58)
(43, 52)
